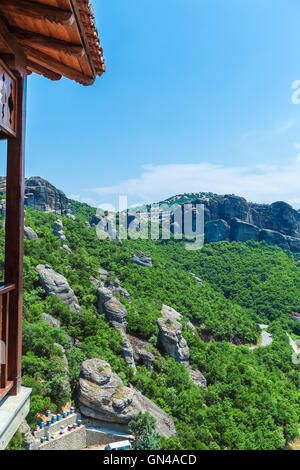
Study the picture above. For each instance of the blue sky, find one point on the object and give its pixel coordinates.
(196, 97)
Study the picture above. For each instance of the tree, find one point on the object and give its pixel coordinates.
(143, 427)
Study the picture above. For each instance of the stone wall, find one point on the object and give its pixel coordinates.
(71, 440)
(96, 437)
(55, 427)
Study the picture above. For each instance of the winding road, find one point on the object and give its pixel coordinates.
(266, 338)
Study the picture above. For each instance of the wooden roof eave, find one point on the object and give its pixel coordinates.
(51, 55)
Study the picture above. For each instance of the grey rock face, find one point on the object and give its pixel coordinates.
(278, 217)
(73, 342)
(69, 215)
(198, 280)
(295, 316)
(103, 274)
(103, 396)
(216, 231)
(286, 218)
(29, 442)
(43, 196)
(59, 233)
(128, 352)
(51, 320)
(172, 314)
(141, 353)
(113, 285)
(294, 244)
(197, 377)
(171, 340)
(141, 259)
(116, 313)
(105, 228)
(234, 206)
(274, 238)
(116, 289)
(30, 234)
(242, 231)
(96, 282)
(56, 284)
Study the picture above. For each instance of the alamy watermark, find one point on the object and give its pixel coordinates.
(155, 221)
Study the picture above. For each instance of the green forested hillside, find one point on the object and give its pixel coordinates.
(254, 275)
(252, 400)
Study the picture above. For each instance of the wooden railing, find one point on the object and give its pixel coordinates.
(5, 384)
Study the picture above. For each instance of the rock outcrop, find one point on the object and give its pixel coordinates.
(69, 215)
(242, 231)
(51, 320)
(172, 314)
(172, 342)
(142, 355)
(141, 259)
(113, 285)
(197, 377)
(216, 231)
(56, 284)
(116, 288)
(274, 238)
(197, 279)
(232, 218)
(295, 316)
(59, 233)
(103, 397)
(105, 228)
(30, 234)
(43, 196)
(116, 313)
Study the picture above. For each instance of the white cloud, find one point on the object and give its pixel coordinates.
(87, 200)
(260, 183)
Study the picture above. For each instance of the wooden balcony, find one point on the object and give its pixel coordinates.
(14, 399)
(5, 384)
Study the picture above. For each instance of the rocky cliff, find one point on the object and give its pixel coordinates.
(232, 218)
(42, 195)
(172, 342)
(104, 398)
(56, 284)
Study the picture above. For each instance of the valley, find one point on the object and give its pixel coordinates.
(92, 302)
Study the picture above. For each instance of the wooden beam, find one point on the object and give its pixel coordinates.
(33, 39)
(37, 11)
(14, 237)
(12, 63)
(83, 37)
(40, 70)
(11, 43)
(56, 66)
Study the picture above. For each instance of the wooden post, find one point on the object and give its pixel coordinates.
(14, 242)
